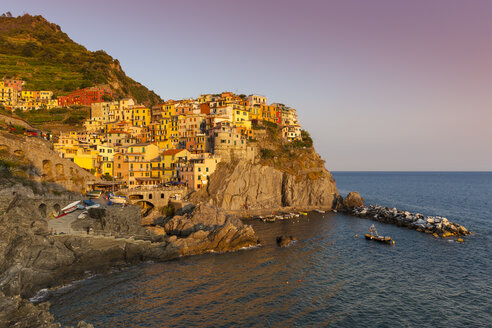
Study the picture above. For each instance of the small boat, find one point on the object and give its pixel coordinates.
(93, 206)
(83, 215)
(303, 213)
(94, 194)
(118, 199)
(320, 211)
(373, 235)
(69, 208)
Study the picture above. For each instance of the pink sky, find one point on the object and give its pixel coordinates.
(381, 85)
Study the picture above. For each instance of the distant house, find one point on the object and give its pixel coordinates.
(85, 96)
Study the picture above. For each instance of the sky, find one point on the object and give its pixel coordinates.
(381, 85)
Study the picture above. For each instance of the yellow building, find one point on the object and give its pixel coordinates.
(106, 168)
(27, 95)
(172, 159)
(8, 96)
(87, 158)
(240, 117)
(196, 172)
(148, 151)
(142, 116)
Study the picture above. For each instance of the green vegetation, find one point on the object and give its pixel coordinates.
(38, 52)
(167, 210)
(266, 153)
(287, 156)
(72, 116)
(107, 177)
(306, 141)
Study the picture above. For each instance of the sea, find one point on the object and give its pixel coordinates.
(330, 277)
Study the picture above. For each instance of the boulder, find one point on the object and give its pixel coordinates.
(97, 213)
(283, 241)
(353, 200)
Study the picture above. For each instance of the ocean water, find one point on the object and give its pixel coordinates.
(327, 278)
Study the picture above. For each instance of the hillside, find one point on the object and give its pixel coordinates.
(289, 157)
(40, 53)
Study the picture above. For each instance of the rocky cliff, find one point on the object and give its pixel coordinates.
(245, 185)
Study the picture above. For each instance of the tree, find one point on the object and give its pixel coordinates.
(107, 98)
(107, 177)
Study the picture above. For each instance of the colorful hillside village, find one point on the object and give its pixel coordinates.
(178, 142)
(13, 96)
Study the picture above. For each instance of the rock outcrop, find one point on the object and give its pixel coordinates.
(283, 241)
(353, 200)
(17, 312)
(244, 185)
(208, 228)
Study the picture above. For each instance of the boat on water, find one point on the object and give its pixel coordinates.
(303, 213)
(373, 235)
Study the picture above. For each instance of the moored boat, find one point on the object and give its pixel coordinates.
(373, 235)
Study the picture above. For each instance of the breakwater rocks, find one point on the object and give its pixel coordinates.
(436, 225)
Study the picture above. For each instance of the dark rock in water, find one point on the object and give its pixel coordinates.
(283, 240)
(353, 200)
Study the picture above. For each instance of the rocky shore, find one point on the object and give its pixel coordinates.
(32, 259)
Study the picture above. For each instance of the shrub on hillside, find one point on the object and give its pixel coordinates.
(266, 153)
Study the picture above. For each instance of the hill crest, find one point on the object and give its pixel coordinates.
(39, 52)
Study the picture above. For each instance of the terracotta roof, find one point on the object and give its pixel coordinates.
(172, 151)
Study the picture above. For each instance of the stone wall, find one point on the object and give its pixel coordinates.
(50, 166)
(158, 197)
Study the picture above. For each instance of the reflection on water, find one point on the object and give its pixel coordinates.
(327, 278)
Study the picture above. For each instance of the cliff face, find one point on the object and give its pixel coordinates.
(243, 185)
